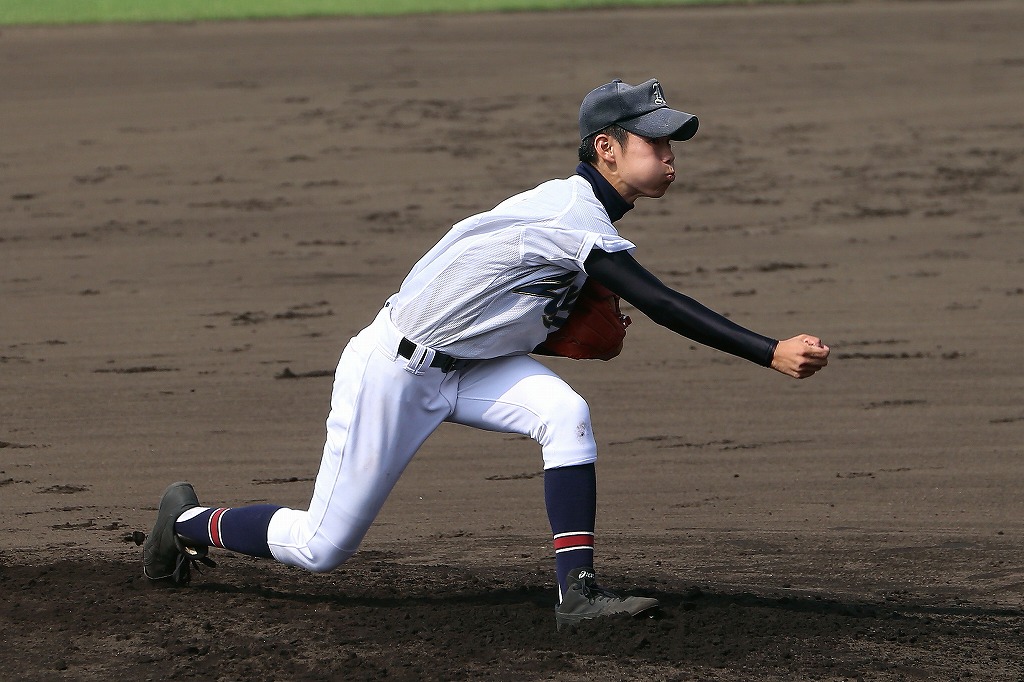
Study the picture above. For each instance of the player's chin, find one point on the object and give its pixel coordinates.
(658, 191)
(663, 184)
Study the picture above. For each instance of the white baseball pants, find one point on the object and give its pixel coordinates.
(384, 407)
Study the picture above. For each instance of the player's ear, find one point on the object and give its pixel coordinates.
(605, 148)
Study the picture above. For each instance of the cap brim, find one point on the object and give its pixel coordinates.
(664, 122)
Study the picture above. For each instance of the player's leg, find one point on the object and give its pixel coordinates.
(521, 395)
(380, 415)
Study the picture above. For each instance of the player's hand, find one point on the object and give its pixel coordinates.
(800, 356)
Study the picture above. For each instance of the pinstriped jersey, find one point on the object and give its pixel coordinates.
(500, 281)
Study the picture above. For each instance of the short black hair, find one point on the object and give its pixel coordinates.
(588, 154)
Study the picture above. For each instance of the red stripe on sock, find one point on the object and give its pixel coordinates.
(574, 541)
(214, 527)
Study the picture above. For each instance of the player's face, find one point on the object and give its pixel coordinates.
(645, 167)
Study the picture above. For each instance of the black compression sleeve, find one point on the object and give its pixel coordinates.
(624, 276)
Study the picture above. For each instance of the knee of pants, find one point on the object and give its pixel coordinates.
(568, 438)
(293, 542)
(327, 558)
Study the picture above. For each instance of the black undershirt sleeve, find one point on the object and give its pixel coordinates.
(623, 275)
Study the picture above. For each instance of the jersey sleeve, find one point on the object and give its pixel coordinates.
(568, 249)
(568, 224)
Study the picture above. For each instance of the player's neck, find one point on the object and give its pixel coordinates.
(605, 191)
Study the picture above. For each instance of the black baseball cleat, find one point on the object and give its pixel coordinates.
(164, 555)
(584, 600)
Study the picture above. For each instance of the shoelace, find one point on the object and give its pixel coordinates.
(189, 558)
(593, 592)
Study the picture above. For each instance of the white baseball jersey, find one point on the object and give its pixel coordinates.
(499, 282)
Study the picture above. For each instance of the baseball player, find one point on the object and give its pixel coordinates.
(454, 344)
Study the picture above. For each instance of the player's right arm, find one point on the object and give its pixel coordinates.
(798, 357)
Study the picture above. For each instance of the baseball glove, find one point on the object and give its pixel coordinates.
(595, 329)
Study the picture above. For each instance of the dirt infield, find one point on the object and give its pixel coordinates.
(194, 219)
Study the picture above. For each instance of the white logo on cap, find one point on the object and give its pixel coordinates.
(659, 99)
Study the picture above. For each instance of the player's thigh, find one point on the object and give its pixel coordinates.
(520, 395)
(380, 416)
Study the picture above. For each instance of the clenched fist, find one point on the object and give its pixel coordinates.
(800, 356)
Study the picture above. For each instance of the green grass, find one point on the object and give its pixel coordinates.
(95, 11)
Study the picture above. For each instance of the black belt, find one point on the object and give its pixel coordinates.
(442, 361)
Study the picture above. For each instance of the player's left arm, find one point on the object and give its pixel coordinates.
(799, 357)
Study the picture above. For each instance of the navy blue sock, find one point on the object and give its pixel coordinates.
(570, 494)
(240, 529)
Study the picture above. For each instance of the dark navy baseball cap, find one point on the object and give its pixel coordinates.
(640, 109)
